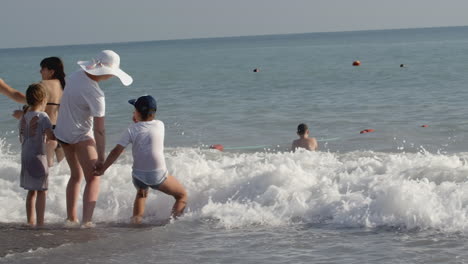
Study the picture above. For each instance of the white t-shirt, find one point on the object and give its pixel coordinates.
(147, 140)
(81, 101)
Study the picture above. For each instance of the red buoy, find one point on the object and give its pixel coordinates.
(217, 146)
(356, 63)
(366, 131)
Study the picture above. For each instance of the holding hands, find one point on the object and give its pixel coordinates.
(98, 169)
(101, 167)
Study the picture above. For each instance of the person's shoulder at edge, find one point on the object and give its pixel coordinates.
(44, 114)
(157, 121)
(313, 143)
(151, 123)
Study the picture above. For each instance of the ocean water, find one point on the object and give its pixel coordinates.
(396, 195)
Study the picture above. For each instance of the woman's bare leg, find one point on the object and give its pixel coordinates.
(59, 155)
(171, 186)
(139, 206)
(40, 207)
(50, 150)
(31, 208)
(87, 155)
(74, 183)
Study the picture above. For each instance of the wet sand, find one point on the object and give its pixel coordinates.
(18, 238)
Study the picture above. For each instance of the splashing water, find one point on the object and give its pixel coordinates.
(356, 189)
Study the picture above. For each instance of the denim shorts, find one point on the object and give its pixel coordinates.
(154, 179)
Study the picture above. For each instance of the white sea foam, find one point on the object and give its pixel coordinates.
(30, 253)
(356, 189)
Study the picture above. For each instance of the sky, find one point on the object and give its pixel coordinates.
(30, 23)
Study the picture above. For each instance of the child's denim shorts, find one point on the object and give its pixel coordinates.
(148, 179)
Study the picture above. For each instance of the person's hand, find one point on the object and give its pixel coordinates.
(98, 168)
(18, 114)
(98, 173)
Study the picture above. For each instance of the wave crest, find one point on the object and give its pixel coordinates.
(356, 189)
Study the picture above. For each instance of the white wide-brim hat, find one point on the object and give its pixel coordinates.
(107, 62)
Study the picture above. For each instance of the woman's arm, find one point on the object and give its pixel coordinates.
(14, 94)
(100, 137)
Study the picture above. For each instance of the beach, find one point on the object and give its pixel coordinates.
(397, 194)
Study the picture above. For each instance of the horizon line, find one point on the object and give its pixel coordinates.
(227, 37)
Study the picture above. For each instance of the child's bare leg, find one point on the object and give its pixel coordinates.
(31, 207)
(139, 205)
(171, 186)
(40, 207)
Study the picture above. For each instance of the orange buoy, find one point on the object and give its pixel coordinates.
(356, 63)
(424, 126)
(217, 146)
(366, 131)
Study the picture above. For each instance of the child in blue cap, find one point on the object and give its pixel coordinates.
(149, 166)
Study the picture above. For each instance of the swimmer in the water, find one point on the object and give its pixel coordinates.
(304, 140)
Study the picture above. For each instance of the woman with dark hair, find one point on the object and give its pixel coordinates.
(54, 67)
(53, 79)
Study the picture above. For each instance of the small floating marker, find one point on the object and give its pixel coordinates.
(366, 131)
(424, 126)
(217, 146)
(256, 70)
(356, 63)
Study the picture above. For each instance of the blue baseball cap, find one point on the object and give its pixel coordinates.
(144, 104)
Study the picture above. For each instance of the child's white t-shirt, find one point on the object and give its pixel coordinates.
(147, 140)
(82, 100)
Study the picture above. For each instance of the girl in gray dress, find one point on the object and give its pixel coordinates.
(35, 129)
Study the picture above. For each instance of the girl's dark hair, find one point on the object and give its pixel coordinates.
(55, 64)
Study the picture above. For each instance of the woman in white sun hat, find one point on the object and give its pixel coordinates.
(80, 130)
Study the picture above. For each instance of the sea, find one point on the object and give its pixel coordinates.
(398, 194)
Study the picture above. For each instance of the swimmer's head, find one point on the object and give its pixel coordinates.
(302, 129)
